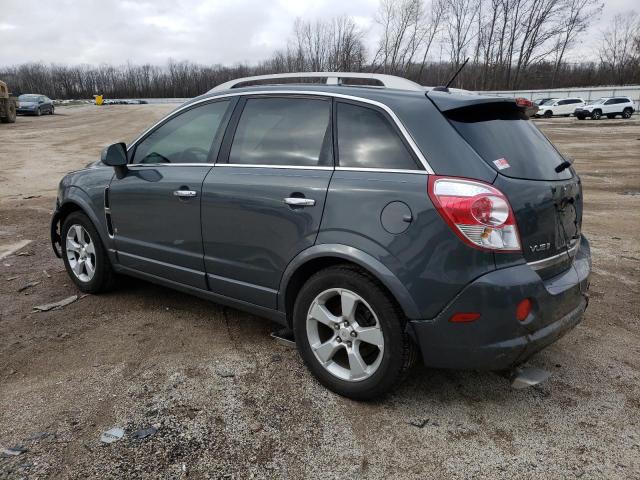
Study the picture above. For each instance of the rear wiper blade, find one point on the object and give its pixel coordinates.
(563, 166)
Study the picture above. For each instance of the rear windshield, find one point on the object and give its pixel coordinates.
(508, 141)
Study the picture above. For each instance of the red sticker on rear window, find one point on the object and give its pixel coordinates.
(501, 163)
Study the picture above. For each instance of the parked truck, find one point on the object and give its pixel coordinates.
(8, 105)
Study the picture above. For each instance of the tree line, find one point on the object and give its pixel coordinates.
(510, 44)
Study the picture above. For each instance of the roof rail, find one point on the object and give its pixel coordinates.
(332, 78)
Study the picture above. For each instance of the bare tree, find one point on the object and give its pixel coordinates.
(574, 20)
(461, 17)
(617, 49)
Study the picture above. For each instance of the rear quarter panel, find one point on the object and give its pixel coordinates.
(428, 258)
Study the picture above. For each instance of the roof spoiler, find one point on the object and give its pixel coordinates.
(447, 100)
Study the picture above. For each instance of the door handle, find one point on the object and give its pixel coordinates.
(300, 202)
(185, 193)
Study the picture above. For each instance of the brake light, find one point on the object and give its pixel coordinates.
(478, 213)
(523, 102)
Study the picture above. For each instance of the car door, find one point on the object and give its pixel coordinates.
(154, 209)
(609, 106)
(262, 203)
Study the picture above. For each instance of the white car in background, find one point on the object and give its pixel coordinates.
(609, 106)
(559, 106)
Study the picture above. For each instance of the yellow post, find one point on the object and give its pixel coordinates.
(98, 99)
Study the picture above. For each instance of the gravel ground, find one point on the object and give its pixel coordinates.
(229, 402)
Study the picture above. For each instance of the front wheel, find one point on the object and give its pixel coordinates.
(84, 255)
(596, 115)
(350, 333)
(627, 113)
(548, 114)
(38, 112)
(51, 112)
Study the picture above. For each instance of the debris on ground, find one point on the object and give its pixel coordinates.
(28, 285)
(14, 451)
(38, 436)
(225, 373)
(46, 274)
(10, 279)
(25, 254)
(8, 249)
(55, 305)
(112, 435)
(29, 197)
(419, 423)
(144, 433)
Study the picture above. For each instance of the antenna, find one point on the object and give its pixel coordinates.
(456, 74)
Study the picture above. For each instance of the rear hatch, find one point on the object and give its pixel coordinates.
(547, 203)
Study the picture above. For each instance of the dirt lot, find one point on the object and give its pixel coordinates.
(229, 402)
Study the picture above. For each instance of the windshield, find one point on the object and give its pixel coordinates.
(599, 101)
(548, 101)
(509, 142)
(28, 98)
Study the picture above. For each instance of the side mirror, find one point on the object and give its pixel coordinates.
(116, 156)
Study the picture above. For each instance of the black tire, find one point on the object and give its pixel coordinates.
(11, 113)
(611, 116)
(596, 114)
(104, 277)
(398, 354)
(627, 112)
(548, 114)
(38, 112)
(580, 117)
(52, 110)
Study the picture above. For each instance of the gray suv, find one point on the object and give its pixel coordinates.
(378, 223)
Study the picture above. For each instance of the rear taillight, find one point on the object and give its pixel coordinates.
(523, 102)
(477, 212)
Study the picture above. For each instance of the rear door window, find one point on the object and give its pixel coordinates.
(367, 139)
(508, 141)
(283, 131)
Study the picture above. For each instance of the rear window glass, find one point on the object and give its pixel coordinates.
(509, 142)
(366, 139)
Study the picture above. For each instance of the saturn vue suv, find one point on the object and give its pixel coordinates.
(379, 223)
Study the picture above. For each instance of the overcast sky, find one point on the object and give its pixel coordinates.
(201, 31)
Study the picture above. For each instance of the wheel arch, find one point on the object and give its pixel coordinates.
(319, 257)
(75, 200)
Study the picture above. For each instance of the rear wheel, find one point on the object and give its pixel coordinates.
(350, 333)
(84, 255)
(548, 114)
(627, 112)
(11, 113)
(596, 115)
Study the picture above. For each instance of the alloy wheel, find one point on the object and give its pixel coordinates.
(81, 253)
(345, 335)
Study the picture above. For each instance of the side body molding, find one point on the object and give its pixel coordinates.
(366, 261)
